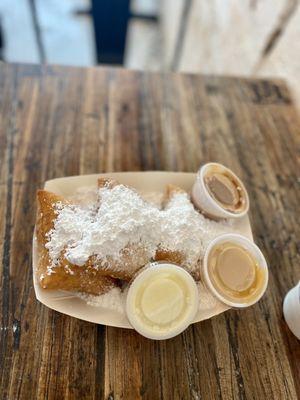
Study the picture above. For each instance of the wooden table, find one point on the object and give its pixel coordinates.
(65, 121)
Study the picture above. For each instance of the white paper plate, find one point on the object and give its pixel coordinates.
(69, 304)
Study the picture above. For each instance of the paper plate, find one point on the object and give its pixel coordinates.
(70, 304)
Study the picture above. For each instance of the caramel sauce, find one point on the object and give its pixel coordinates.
(225, 189)
(234, 272)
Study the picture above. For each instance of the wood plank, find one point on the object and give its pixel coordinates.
(61, 121)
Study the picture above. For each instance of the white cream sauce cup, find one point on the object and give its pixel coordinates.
(162, 301)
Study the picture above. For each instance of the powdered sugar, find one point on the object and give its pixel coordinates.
(69, 233)
(113, 300)
(186, 230)
(120, 217)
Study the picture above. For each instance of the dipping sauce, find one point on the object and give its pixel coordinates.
(225, 189)
(162, 301)
(234, 272)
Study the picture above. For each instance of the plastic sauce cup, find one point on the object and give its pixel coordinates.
(203, 200)
(162, 301)
(257, 255)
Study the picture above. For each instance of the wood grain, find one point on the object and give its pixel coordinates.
(65, 121)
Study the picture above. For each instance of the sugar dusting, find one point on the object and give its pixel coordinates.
(120, 217)
(186, 230)
(113, 300)
(104, 221)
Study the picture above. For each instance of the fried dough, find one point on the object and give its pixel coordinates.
(64, 275)
(175, 256)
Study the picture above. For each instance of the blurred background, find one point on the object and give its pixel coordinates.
(231, 37)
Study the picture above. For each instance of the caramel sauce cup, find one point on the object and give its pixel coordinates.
(206, 203)
(256, 253)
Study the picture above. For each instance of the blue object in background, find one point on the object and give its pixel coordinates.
(110, 23)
